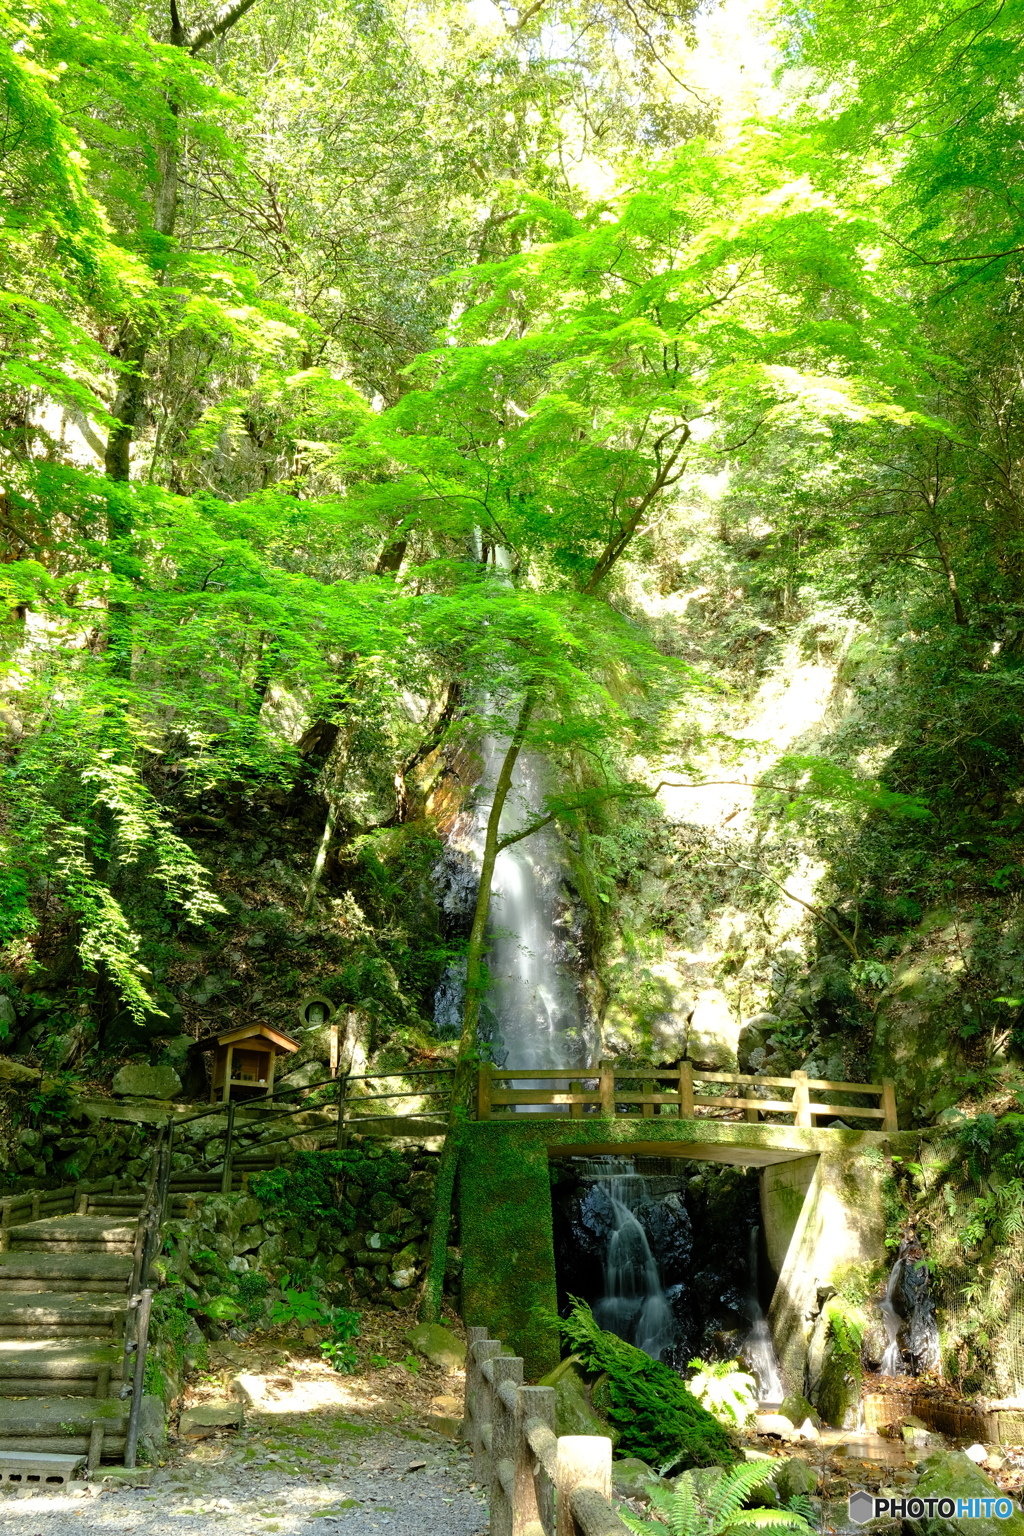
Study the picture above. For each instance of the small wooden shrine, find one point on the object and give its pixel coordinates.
(244, 1060)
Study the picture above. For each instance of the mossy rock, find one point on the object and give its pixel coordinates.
(574, 1412)
(796, 1408)
(950, 1473)
(633, 1478)
(438, 1345)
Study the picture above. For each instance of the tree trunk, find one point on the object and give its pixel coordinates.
(465, 1066)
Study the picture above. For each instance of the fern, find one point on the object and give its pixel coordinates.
(684, 1511)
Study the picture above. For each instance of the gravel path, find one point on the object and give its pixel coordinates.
(313, 1477)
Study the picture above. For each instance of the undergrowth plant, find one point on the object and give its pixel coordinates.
(725, 1389)
(658, 1418)
(687, 1509)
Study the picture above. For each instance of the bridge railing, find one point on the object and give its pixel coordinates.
(541, 1484)
(609, 1090)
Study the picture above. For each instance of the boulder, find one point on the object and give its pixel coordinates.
(438, 1345)
(795, 1476)
(574, 1412)
(952, 1474)
(15, 1072)
(713, 1035)
(8, 1017)
(798, 1409)
(775, 1424)
(141, 1082)
(632, 1478)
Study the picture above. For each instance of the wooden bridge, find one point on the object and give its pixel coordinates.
(680, 1093)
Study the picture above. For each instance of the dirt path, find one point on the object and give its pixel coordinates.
(365, 1455)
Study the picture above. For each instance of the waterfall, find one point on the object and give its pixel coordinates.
(892, 1359)
(532, 1006)
(532, 1014)
(634, 1303)
(757, 1350)
(908, 1312)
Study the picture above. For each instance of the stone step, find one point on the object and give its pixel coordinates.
(54, 1314)
(55, 1364)
(82, 1234)
(24, 1269)
(55, 1417)
(70, 1445)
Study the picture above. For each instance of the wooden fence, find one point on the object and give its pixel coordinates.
(541, 1484)
(609, 1091)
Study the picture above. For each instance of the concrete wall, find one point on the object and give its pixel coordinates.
(782, 1187)
(840, 1224)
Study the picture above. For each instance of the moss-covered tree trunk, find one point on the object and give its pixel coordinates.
(466, 1061)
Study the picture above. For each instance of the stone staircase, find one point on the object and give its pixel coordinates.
(64, 1283)
(63, 1300)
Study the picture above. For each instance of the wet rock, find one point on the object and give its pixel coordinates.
(795, 1476)
(952, 1474)
(774, 1424)
(798, 1409)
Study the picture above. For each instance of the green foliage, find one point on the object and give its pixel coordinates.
(322, 1189)
(658, 1418)
(339, 1350)
(728, 1392)
(301, 1309)
(716, 1508)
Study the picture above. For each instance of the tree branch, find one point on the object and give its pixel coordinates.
(222, 22)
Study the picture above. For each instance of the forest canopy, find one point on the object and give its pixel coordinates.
(355, 358)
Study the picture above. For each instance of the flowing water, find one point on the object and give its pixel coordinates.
(532, 1015)
(757, 1350)
(634, 1303)
(908, 1312)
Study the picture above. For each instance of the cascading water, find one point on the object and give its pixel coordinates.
(908, 1312)
(757, 1350)
(652, 1246)
(634, 1304)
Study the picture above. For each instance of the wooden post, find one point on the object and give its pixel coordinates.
(575, 1110)
(473, 1336)
(228, 1062)
(801, 1099)
(533, 1498)
(480, 1400)
(505, 1420)
(270, 1072)
(342, 1094)
(138, 1377)
(483, 1093)
(890, 1123)
(583, 1461)
(335, 1050)
(686, 1090)
(225, 1178)
(750, 1113)
(608, 1090)
(95, 1455)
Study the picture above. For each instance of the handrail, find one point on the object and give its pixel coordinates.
(541, 1484)
(607, 1091)
(140, 1294)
